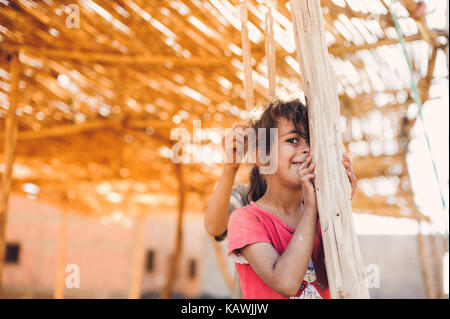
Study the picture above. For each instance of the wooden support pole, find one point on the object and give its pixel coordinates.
(343, 260)
(436, 254)
(270, 53)
(166, 291)
(247, 59)
(62, 258)
(8, 156)
(138, 257)
(95, 125)
(339, 50)
(423, 259)
(62, 130)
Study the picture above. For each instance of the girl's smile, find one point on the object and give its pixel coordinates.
(293, 150)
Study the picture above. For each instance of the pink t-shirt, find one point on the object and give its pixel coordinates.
(252, 224)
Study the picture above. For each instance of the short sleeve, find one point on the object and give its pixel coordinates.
(238, 199)
(244, 228)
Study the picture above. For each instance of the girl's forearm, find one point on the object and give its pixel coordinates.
(216, 214)
(291, 266)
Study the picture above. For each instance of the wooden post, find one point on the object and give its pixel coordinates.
(62, 259)
(9, 146)
(437, 260)
(138, 257)
(247, 59)
(270, 53)
(170, 278)
(343, 260)
(424, 261)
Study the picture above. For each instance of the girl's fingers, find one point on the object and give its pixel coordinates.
(311, 167)
(308, 177)
(305, 163)
(346, 161)
(351, 176)
(353, 180)
(346, 164)
(306, 170)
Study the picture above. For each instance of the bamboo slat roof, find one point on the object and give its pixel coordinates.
(97, 103)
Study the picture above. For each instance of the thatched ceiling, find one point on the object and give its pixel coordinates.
(97, 103)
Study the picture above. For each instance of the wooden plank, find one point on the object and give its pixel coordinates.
(247, 59)
(115, 58)
(8, 156)
(343, 260)
(62, 130)
(423, 258)
(270, 53)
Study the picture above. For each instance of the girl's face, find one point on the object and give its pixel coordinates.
(292, 151)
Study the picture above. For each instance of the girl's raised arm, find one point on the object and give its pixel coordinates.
(216, 214)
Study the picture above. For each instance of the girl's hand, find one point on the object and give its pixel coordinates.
(236, 145)
(350, 173)
(306, 172)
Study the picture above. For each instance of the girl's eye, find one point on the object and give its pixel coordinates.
(293, 140)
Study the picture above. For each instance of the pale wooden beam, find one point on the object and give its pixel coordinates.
(87, 56)
(339, 50)
(425, 82)
(423, 258)
(8, 156)
(116, 58)
(96, 125)
(436, 253)
(247, 58)
(343, 260)
(62, 130)
(270, 52)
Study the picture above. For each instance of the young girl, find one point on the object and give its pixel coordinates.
(276, 240)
